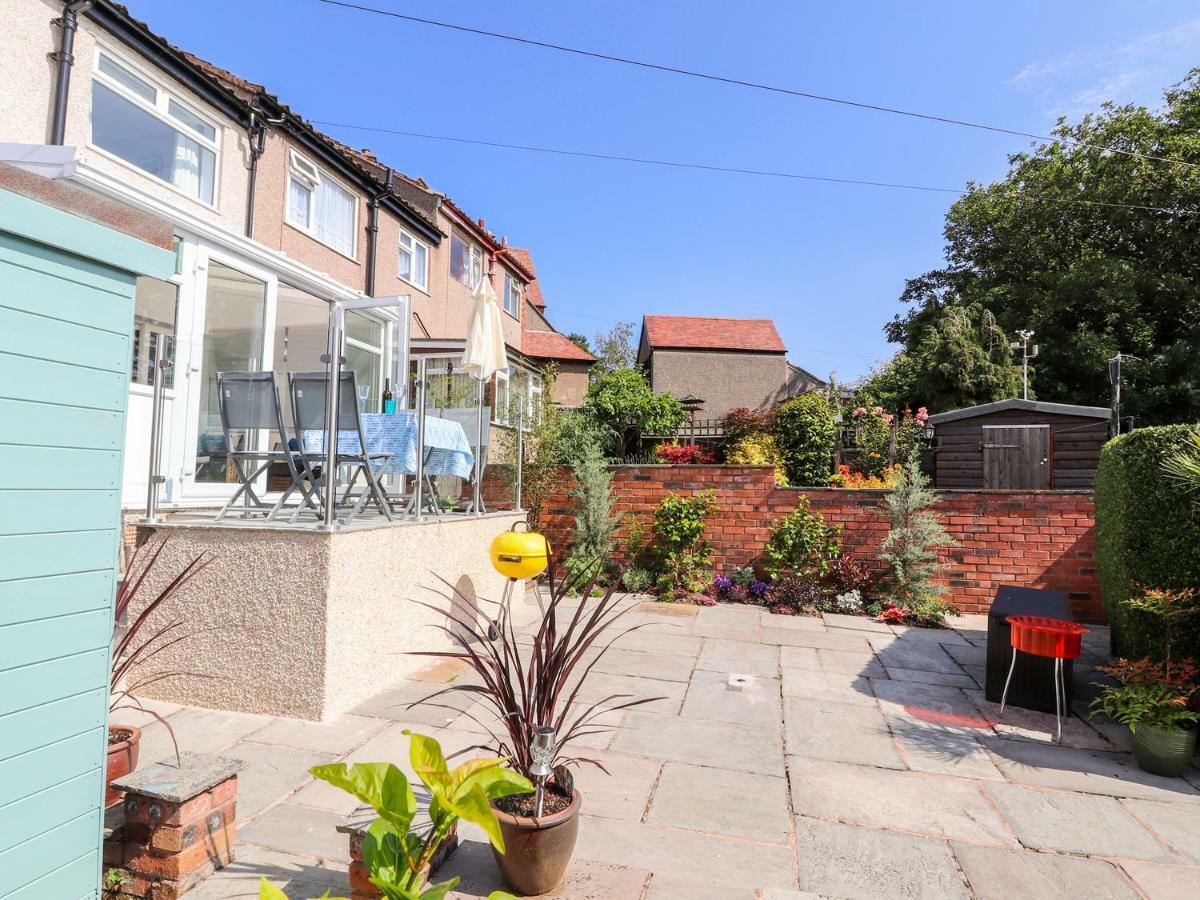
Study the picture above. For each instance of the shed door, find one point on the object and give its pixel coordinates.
(1016, 457)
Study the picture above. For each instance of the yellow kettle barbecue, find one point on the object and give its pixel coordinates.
(520, 554)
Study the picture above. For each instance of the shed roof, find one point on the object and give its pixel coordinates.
(1039, 406)
(712, 333)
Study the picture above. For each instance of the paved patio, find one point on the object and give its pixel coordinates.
(861, 761)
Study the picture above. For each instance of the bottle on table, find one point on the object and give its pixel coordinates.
(389, 400)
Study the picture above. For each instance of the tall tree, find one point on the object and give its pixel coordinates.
(580, 341)
(1096, 252)
(614, 349)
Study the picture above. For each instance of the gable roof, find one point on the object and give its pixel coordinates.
(1059, 409)
(712, 333)
(533, 290)
(553, 345)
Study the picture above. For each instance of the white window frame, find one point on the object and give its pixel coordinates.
(512, 288)
(500, 410)
(159, 109)
(474, 260)
(307, 173)
(416, 242)
(536, 388)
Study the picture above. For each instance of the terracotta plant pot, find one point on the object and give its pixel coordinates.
(122, 759)
(537, 851)
(1164, 751)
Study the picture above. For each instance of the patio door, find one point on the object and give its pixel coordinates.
(232, 339)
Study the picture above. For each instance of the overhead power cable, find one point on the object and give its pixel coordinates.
(735, 170)
(755, 85)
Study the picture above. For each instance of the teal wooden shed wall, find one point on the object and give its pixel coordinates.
(66, 316)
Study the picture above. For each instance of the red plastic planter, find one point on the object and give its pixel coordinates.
(1042, 636)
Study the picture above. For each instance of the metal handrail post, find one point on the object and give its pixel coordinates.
(520, 448)
(332, 400)
(480, 454)
(419, 488)
(154, 478)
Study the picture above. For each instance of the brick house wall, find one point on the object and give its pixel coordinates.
(1043, 539)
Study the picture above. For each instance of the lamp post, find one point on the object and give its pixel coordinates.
(1026, 356)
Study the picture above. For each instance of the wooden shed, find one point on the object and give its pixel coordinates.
(1019, 445)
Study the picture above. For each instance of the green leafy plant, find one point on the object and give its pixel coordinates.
(114, 881)
(1147, 533)
(915, 535)
(622, 403)
(806, 434)
(1150, 695)
(801, 543)
(679, 550)
(758, 449)
(798, 594)
(397, 858)
(637, 580)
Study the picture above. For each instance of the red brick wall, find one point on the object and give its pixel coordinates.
(1040, 539)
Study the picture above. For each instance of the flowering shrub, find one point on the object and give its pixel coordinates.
(850, 602)
(845, 477)
(721, 585)
(873, 436)
(758, 590)
(758, 450)
(685, 454)
(1151, 695)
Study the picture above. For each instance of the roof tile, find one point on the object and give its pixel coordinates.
(713, 333)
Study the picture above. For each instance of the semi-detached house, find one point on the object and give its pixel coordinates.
(272, 220)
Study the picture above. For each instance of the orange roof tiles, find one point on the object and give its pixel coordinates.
(713, 333)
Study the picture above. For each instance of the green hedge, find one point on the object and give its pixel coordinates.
(1147, 534)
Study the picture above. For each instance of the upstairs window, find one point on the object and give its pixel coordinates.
(318, 205)
(512, 295)
(149, 127)
(414, 260)
(466, 261)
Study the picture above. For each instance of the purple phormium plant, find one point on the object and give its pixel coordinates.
(721, 584)
(758, 589)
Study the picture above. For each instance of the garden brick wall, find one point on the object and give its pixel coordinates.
(1043, 539)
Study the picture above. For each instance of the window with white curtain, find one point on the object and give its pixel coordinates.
(466, 261)
(414, 260)
(147, 126)
(320, 206)
(512, 295)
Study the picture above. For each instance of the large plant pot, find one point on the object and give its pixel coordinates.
(122, 759)
(537, 851)
(1164, 751)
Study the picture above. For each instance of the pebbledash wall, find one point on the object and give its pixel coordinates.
(1042, 539)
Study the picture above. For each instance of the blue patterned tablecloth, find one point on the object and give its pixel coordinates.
(447, 449)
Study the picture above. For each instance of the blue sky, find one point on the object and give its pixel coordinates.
(614, 240)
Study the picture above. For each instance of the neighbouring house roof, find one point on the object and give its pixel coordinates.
(553, 345)
(804, 373)
(711, 333)
(1039, 406)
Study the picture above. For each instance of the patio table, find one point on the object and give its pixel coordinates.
(448, 452)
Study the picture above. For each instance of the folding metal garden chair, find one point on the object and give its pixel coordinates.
(308, 391)
(249, 402)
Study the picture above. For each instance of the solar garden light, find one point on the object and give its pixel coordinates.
(542, 750)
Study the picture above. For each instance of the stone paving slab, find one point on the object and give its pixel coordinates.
(692, 854)
(198, 730)
(998, 874)
(930, 704)
(1075, 823)
(859, 662)
(292, 828)
(300, 877)
(664, 666)
(737, 804)
(943, 751)
(740, 747)
(793, 623)
(901, 801)
(855, 863)
(1030, 725)
(665, 886)
(667, 695)
(341, 735)
(924, 656)
(967, 654)
(946, 679)
(845, 732)
(269, 774)
(395, 703)
(1086, 771)
(930, 635)
(1176, 823)
(799, 658)
(1164, 882)
(855, 623)
(843, 687)
(748, 657)
(676, 642)
(755, 701)
(624, 792)
(818, 640)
